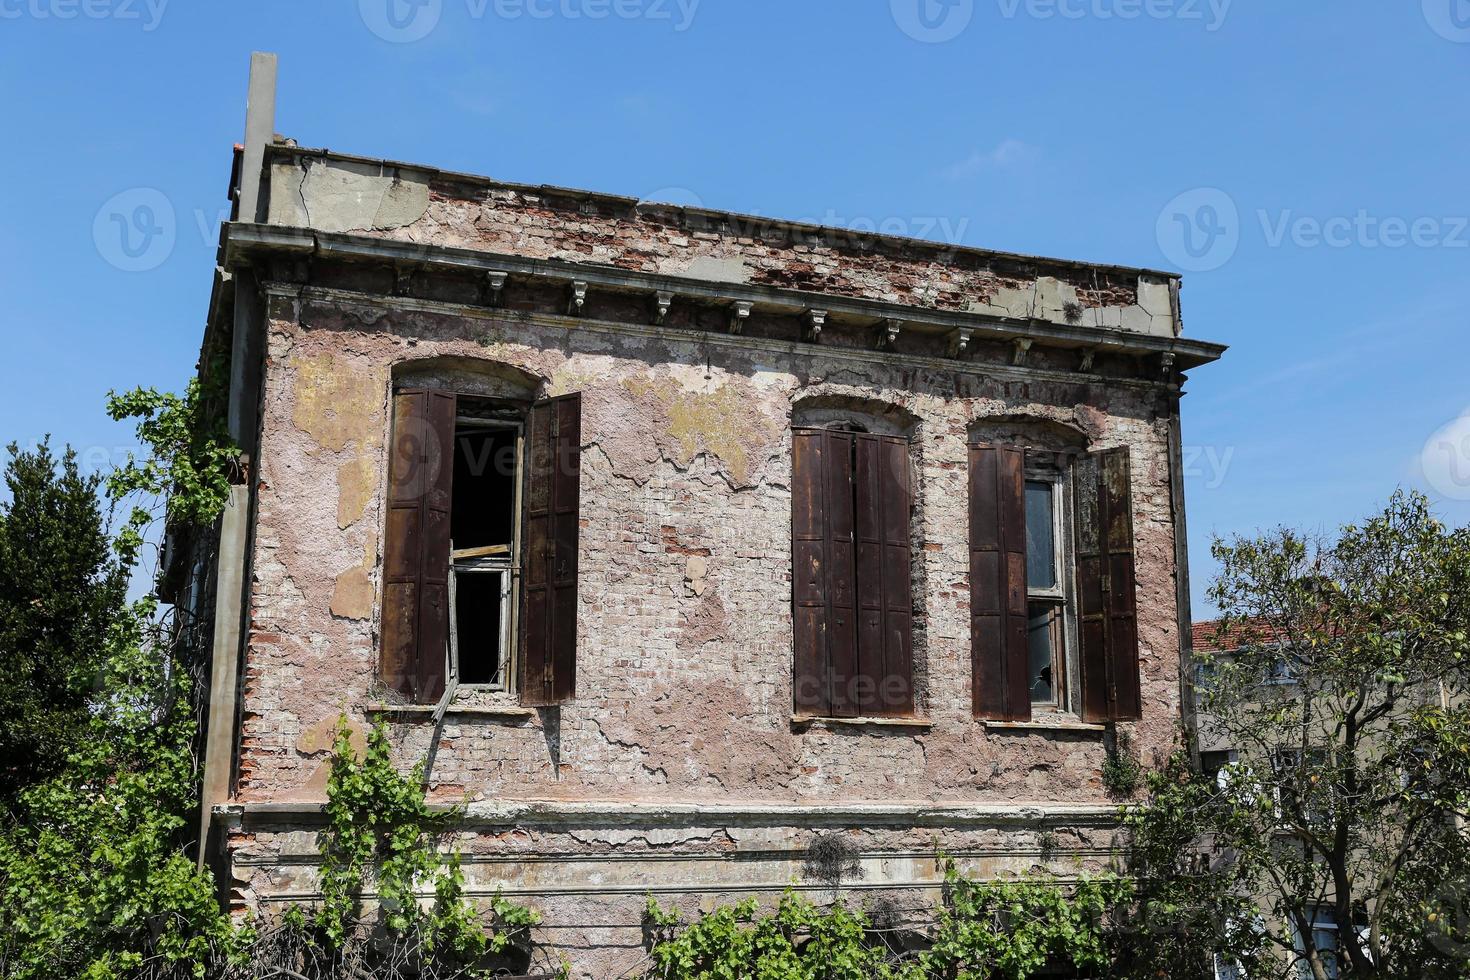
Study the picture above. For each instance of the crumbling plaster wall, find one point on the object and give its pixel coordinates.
(685, 633)
(337, 195)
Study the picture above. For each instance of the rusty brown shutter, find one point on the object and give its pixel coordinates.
(1106, 588)
(998, 621)
(551, 528)
(809, 571)
(415, 623)
(884, 678)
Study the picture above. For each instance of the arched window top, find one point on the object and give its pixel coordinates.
(845, 413)
(482, 378)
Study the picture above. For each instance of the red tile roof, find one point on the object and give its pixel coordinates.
(1209, 636)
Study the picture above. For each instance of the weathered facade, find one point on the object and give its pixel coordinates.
(641, 728)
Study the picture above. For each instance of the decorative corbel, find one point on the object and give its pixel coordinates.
(1088, 356)
(1023, 347)
(1166, 365)
(579, 298)
(740, 316)
(815, 321)
(402, 280)
(959, 341)
(662, 300)
(495, 282)
(888, 332)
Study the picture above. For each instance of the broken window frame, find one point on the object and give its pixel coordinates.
(510, 417)
(1058, 601)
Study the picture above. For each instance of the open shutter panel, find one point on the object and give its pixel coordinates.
(1107, 606)
(809, 571)
(884, 680)
(998, 622)
(415, 623)
(841, 613)
(551, 533)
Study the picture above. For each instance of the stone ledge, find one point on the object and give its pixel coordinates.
(509, 712)
(623, 813)
(1047, 725)
(824, 721)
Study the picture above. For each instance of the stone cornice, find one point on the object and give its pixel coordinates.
(251, 244)
(644, 815)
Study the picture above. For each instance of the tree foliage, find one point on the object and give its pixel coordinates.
(61, 588)
(98, 713)
(1005, 930)
(1345, 696)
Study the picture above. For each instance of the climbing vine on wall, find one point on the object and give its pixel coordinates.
(1009, 930)
(393, 901)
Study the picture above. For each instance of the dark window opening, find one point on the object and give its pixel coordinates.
(1046, 660)
(483, 534)
(481, 602)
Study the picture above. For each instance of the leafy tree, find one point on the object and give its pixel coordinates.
(1346, 700)
(61, 588)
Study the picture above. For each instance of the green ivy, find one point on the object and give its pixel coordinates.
(383, 835)
(1010, 930)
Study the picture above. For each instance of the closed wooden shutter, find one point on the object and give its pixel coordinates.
(1106, 588)
(551, 527)
(884, 685)
(998, 619)
(415, 623)
(852, 593)
(809, 557)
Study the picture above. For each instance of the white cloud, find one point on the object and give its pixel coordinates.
(1009, 154)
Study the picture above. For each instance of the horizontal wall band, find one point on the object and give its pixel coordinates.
(697, 857)
(240, 240)
(741, 342)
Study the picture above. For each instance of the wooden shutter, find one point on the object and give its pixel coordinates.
(998, 620)
(884, 684)
(551, 528)
(823, 586)
(415, 624)
(809, 570)
(1106, 589)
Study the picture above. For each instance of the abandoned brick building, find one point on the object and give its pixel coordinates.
(678, 538)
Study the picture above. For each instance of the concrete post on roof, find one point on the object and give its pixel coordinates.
(260, 129)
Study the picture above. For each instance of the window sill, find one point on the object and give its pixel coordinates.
(1047, 725)
(426, 711)
(804, 720)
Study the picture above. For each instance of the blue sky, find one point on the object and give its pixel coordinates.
(1308, 159)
